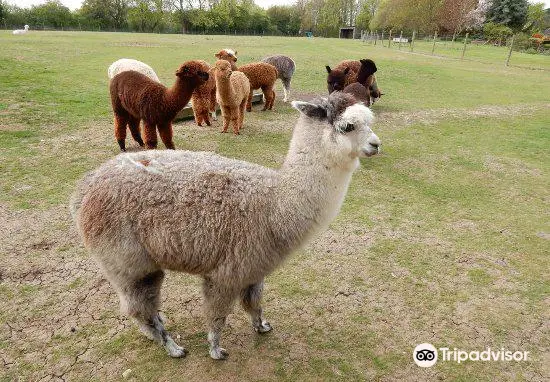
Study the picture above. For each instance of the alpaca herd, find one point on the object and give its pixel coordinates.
(134, 98)
(228, 221)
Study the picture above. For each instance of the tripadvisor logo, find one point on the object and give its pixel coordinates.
(426, 355)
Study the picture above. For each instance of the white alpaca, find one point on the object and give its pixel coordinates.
(229, 221)
(21, 31)
(125, 64)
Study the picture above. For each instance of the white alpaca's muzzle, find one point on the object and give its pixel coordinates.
(372, 147)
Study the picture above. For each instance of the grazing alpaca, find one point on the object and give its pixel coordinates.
(125, 64)
(375, 92)
(285, 68)
(228, 55)
(346, 73)
(360, 93)
(232, 222)
(21, 31)
(342, 75)
(203, 98)
(365, 78)
(260, 74)
(135, 96)
(232, 90)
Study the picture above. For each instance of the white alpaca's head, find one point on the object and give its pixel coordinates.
(344, 125)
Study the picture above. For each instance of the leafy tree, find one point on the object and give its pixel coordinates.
(147, 15)
(15, 16)
(512, 13)
(285, 18)
(535, 18)
(367, 10)
(453, 14)
(3, 11)
(420, 15)
(330, 18)
(52, 14)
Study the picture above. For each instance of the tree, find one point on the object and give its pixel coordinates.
(147, 15)
(512, 13)
(285, 18)
(535, 18)
(3, 11)
(52, 14)
(453, 14)
(477, 17)
(330, 18)
(420, 15)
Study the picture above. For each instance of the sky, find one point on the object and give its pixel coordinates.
(75, 4)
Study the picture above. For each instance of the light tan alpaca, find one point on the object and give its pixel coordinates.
(229, 221)
(262, 75)
(232, 90)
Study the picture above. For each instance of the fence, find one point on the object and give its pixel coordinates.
(459, 46)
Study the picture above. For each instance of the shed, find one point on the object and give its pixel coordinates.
(350, 32)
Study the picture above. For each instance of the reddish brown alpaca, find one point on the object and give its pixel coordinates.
(204, 98)
(134, 96)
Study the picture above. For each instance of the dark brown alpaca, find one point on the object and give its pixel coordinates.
(350, 71)
(134, 96)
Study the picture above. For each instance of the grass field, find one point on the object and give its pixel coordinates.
(444, 238)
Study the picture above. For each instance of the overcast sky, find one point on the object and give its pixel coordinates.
(74, 4)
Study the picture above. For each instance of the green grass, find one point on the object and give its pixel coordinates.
(441, 238)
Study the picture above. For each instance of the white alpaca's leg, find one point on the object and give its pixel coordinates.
(140, 299)
(251, 297)
(218, 303)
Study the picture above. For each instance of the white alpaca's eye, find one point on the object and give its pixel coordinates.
(349, 127)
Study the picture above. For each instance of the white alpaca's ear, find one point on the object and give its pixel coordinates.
(310, 109)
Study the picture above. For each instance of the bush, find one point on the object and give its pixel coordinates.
(522, 43)
(496, 32)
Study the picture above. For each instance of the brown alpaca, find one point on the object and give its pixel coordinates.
(348, 72)
(358, 91)
(229, 56)
(342, 75)
(260, 74)
(203, 98)
(134, 96)
(232, 89)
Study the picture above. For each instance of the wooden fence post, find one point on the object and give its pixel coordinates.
(412, 41)
(400, 38)
(464, 48)
(389, 39)
(382, 39)
(433, 46)
(510, 52)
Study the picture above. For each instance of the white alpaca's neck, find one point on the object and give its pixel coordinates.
(312, 187)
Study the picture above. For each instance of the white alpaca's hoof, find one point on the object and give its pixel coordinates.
(174, 350)
(264, 327)
(218, 353)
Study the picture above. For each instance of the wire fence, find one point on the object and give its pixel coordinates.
(502, 50)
